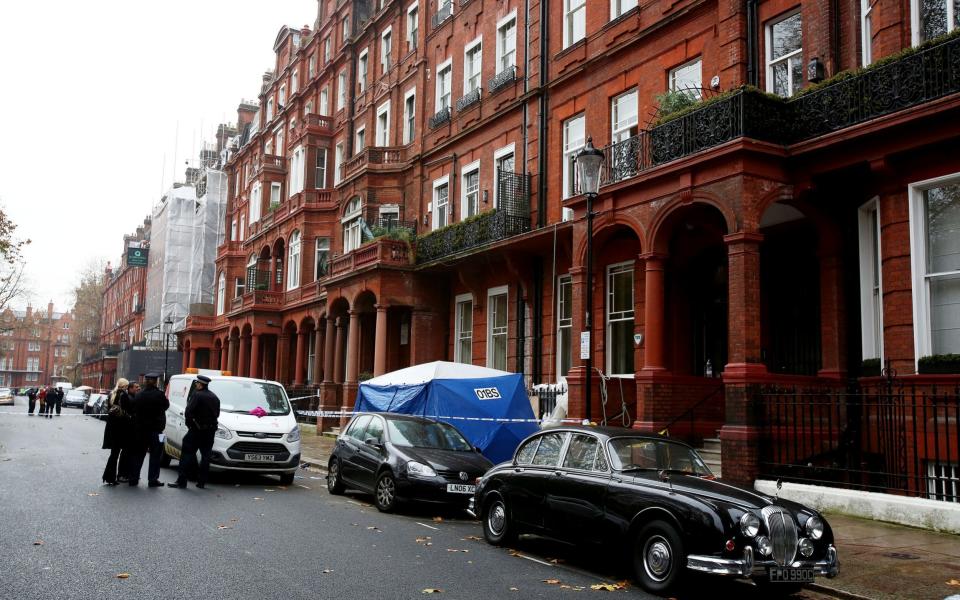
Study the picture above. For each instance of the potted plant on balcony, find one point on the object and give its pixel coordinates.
(939, 364)
(870, 368)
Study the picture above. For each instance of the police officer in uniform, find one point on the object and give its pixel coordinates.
(203, 408)
(150, 419)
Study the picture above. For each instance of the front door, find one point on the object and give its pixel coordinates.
(577, 491)
(348, 447)
(369, 455)
(528, 493)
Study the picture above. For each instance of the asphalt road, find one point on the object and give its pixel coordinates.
(64, 535)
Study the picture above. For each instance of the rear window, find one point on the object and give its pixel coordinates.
(548, 453)
(238, 396)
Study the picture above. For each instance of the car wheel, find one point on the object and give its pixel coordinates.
(334, 483)
(385, 492)
(497, 528)
(658, 557)
(165, 459)
(286, 478)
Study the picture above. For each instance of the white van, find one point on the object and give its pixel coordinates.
(244, 442)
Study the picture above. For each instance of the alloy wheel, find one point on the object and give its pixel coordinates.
(385, 491)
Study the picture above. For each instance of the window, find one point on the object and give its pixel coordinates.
(341, 90)
(322, 258)
(383, 125)
(282, 97)
(931, 18)
(325, 101)
(618, 7)
(935, 248)
(564, 325)
(255, 201)
(33, 347)
(361, 139)
(268, 147)
(871, 295)
(242, 229)
(866, 32)
(548, 451)
(444, 76)
(472, 66)
(274, 195)
(320, 173)
(386, 49)
(688, 78)
(297, 172)
(441, 197)
(943, 481)
(351, 225)
(345, 29)
(238, 287)
(413, 27)
(294, 81)
(785, 56)
(311, 67)
(574, 21)
(326, 50)
(281, 147)
(497, 328)
(463, 351)
(362, 72)
(269, 109)
(67, 325)
(470, 203)
(502, 163)
(409, 116)
(623, 117)
(337, 162)
(293, 262)
(221, 292)
(233, 230)
(619, 342)
(581, 453)
(507, 42)
(572, 144)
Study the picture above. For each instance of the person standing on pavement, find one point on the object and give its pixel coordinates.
(51, 400)
(31, 400)
(203, 409)
(59, 402)
(42, 397)
(117, 432)
(150, 419)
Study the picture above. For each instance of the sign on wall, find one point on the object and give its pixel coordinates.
(137, 257)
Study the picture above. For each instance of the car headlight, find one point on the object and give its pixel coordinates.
(806, 547)
(294, 435)
(415, 468)
(814, 527)
(223, 433)
(749, 524)
(764, 546)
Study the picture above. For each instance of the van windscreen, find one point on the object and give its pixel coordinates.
(244, 396)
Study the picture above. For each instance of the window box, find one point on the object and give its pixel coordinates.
(502, 80)
(871, 368)
(939, 364)
(468, 100)
(441, 117)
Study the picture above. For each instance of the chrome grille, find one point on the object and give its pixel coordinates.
(783, 533)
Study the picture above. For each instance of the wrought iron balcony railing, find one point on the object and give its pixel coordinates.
(502, 80)
(443, 13)
(468, 100)
(441, 117)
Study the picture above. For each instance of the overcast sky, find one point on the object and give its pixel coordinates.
(94, 95)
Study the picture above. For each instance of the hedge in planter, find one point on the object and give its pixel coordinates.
(939, 364)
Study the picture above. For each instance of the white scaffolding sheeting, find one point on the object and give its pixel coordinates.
(171, 244)
(208, 226)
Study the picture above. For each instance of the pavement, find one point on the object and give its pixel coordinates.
(878, 560)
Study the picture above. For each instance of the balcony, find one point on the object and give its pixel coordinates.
(375, 158)
(441, 117)
(268, 162)
(318, 124)
(258, 300)
(443, 13)
(229, 248)
(200, 322)
(381, 251)
(468, 100)
(502, 80)
(852, 98)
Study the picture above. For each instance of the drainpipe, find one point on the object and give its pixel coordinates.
(753, 76)
(537, 350)
(835, 45)
(526, 80)
(544, 102)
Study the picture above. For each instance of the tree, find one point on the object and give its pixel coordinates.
(87, 311)
(12, 281)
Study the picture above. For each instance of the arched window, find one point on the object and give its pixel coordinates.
(221, 292)
(251, 273)
(293, 265)
(352, 228)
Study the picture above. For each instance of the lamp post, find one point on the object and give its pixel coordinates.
(168, 323)
(589, 161)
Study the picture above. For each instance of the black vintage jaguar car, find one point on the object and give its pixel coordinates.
(656, 498)
(402, 457)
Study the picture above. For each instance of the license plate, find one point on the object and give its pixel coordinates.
(790, 575)
(461, 488)
(258, 457)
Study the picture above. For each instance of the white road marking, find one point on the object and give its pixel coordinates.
(428, 526)
(536, 560)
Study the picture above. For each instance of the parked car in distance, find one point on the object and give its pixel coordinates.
(656, 498)
(96, 405)
(6, 396)
(76, 398)
(402, 457)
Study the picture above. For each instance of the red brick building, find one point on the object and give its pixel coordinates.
(753, 239)
(34, 347)
(124, 295)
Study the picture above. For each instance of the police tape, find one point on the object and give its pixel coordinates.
(44, 414)
(350, 413)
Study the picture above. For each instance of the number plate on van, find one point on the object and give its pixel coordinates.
(258, 457)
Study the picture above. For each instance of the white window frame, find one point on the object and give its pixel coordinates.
(282, 96)
(276, 188)
(279, 140)
(311, 66)
(570, 150)
(326, 50)
(255, 202)
(768, 32)
(501, 39)
(923, 345)
(617, 130)
(386, 51)
(608, 292)
(341, 89)
(672, 76)
(866, 33)
(445, 66)
(338, 156)
(345, 28)
(322, 245)
(497, 155)
(320, 172)
(915, 20)
(871, 265)
(269, 115)
(435, 206)
(413, 32)
(294, 252)
(221, 292)
(470, 169)
(324, 107)
(363, 69)
(409, 131)
(570, 21)
(295, 80)
(563, 324)
(360, 139)
(352, 229)
(621, 7)
(382, 137)
(297, 172)
(502, 290)
(477, 77)
(459, 334)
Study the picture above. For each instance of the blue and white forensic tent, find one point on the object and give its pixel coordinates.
(490, 407)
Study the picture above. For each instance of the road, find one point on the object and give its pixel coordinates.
(64, 535)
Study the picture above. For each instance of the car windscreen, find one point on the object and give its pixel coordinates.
(645, 454)
(419, 434)
(243, 396)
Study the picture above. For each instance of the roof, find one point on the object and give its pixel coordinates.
(613, 432)
(397, 416)
(419, 374)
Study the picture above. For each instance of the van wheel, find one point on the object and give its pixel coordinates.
(385, 493)
(286, 478)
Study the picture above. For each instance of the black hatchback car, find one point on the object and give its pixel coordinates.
(401, 457)
(658, 501)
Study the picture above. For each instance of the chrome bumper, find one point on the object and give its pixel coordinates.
(747, 566)
(470, 507)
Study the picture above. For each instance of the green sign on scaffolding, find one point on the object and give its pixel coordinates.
(137, 257)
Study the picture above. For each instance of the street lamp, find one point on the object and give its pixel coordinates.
(168, 323)
(589, 161)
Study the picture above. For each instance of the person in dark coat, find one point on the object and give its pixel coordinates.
(150, 419)
(31, 400)
(51, 400)
(59, 399)
(203, 409)
(118, 431)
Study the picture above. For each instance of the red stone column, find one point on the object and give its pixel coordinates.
(300, 360)
(192, 360)
(283, 351)
(380, 345)
(338, 350)
(232, 355)
(576, 377)
(243, 361)
(832, 319)
(317, 354)
(255, 359)
(653, 316)
(329, 351)
(353, 348)
(224, 356)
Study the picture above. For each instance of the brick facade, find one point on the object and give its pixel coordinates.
(34, 347)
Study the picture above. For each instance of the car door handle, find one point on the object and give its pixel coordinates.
(517, 470)
(558, 473)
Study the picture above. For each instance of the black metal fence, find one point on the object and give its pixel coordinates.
(303, 398)
(546, 397)
(891, 438)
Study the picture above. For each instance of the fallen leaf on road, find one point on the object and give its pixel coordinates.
(38, 543)
(455, 550)
(551, 581)
(328, 570)
(374, 528)
(951, 582)
(424, 540)
(515, 553)
(255, 499)
(224, 527)
(513, 589)
(123, 575)
(438, 519)
(432, 591)
(234, 520)
(606, 587)
(472, 537)
(93, 494)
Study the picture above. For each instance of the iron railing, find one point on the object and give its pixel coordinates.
(257, 279)
(443, 13)
(890, 438)
(546, 394)
(473, 233)
(468, 100)
(442, 116)
(502, 79)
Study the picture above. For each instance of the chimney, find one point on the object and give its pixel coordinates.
(50, 309)
(29, 310)
(109, 270)
(305, 32)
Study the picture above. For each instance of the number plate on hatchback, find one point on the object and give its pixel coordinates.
(461, 488)
(790, 575)
(258, 457)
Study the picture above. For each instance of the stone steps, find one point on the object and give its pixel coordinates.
(710, 452)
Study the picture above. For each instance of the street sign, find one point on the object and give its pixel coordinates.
(137, 257)
(584, 345)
